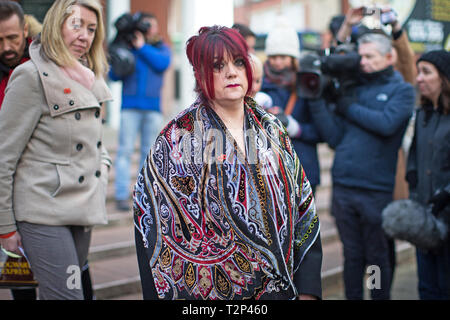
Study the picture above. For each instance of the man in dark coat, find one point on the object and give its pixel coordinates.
(366, 130)
(13, 52)
(13, 41)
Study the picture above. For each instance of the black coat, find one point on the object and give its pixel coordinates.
(428, 166)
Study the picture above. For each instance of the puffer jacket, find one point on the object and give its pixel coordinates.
(367, 137)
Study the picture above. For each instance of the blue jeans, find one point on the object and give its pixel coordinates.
(358, 219)
(134, 121)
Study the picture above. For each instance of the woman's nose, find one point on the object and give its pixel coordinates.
(83, 34)
(230, 69)
(419, 77)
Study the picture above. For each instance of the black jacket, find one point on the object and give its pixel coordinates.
(428, 168)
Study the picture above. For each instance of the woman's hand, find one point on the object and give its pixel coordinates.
(12, 243)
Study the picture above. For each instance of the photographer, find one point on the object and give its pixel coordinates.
(141, 110)
(403, 61)
(404, 55)
(280, 83)
(366, 129)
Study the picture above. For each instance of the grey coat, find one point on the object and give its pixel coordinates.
(53, 165)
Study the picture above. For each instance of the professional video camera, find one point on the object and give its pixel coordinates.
(327, 75)
(121, 59)
(127, 24)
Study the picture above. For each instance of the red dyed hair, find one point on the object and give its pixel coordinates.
(209, 47)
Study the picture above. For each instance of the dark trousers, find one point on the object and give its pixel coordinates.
(434, 273)
(357, 213)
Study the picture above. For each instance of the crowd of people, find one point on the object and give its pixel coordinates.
(224, 202)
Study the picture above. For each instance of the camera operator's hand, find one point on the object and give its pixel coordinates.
(344, 101)
(139, 40)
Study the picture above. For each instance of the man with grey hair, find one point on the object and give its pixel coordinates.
(376, 52)
(365, 129)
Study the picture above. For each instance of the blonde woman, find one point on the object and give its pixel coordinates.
(53, 166)
(34, 26)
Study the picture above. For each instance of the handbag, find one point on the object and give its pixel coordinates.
(15, 271)
(409, 220)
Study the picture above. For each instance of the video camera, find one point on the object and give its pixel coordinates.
(128, 24)
(327, 75)
(121, 59)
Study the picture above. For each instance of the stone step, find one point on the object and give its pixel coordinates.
(328, 231)
(115, 276)
(114, 241)
(116, 217)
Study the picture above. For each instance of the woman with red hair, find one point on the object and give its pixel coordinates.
(223, 209)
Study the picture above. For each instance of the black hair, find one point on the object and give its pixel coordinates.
(148, 15)
(9, 8)
(335, 24)
(243, 30)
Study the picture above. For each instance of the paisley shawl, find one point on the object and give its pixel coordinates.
(216, 224)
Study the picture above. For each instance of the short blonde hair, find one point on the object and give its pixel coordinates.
(34, 26)
(53, 45)
(257, 64)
